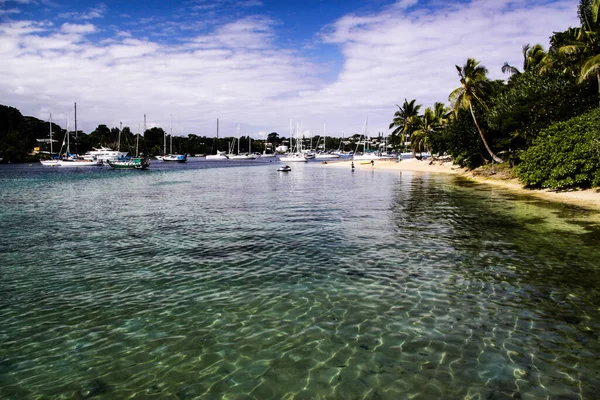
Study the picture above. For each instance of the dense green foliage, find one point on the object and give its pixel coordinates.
(565, 155)
(530, 102)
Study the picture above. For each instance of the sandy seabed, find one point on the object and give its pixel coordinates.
(584, 198)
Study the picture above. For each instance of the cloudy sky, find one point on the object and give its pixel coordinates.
(325, 64)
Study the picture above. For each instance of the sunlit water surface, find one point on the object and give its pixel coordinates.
(247, 283)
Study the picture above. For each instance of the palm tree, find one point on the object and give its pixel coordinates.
(532, 59)
(585, 41)
(442, 115)
(424, 128)
(405, 119)
(475, 86)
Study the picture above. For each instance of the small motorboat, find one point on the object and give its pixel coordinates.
(285, 168)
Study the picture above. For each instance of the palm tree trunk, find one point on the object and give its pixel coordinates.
(598, 78)
(494, 157)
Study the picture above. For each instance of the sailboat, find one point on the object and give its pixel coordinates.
(246, 156)
(73, 160)
(324, 155)
(52, 162)
(136, 162)
(221, 155)
(366, 154)
(298, 156)
(174, 157)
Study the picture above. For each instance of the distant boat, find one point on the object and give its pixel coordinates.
(181, 158)
(175, 157)
(324, 155)
(293, 157)
(72, 160)
(244, 156)
(221, 155)
(299, 155)
(285, 168)
(104, 154)
(131, 162)
(366, 154)
(54, 161)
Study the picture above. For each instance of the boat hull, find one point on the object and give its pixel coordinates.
(134, 163)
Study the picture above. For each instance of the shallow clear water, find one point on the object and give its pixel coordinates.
(193, 281)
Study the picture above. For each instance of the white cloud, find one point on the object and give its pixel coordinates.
(239, 72)
(77, 28)
(93, 13)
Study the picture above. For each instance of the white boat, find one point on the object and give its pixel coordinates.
(221, 155)
(54, 161)
(72, 160)
(285, 168)
(293, 157)
(244, 156)
(366, 155)
(181, 158)
(175, 157)
(104, 154)
(299, 155)
(324, 155)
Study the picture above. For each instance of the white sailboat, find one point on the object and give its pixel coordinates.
(366, 155)
(52, 162)
(73, 160)
(181, 158)
(324, 155)
(245, 156)
(220, 155)
(298, 155)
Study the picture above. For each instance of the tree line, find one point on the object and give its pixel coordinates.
(19, 137)
(543, 118)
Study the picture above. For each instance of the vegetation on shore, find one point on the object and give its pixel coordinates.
(543, 120)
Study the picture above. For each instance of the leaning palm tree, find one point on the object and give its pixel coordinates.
(405, 118)
(475, 86)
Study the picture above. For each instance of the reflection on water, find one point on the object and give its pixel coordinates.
(244, 282)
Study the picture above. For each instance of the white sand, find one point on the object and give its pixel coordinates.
(585, 198)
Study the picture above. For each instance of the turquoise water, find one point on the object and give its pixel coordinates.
(193, 281)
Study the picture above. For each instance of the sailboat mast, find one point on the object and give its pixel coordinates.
(51, 151)
(171, 132)
(119, 139)
(137, 138)
(76, 139)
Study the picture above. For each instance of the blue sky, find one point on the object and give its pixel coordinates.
(257, 63)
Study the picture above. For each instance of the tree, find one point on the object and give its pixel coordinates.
(532, 59)
(404, 121)
(424, 128)
(585, 41)
(475, 86)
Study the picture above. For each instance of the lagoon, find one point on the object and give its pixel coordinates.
(235, 281)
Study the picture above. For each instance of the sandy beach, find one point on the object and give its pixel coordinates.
(589, 199)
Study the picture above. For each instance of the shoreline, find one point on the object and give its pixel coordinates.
(589, 198)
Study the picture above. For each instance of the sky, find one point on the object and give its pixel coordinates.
(337, 67)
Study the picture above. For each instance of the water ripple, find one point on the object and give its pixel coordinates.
(244, 283)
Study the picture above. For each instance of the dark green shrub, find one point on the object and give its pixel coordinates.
(565, 155)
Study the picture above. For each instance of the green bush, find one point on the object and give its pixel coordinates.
(565, 155)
